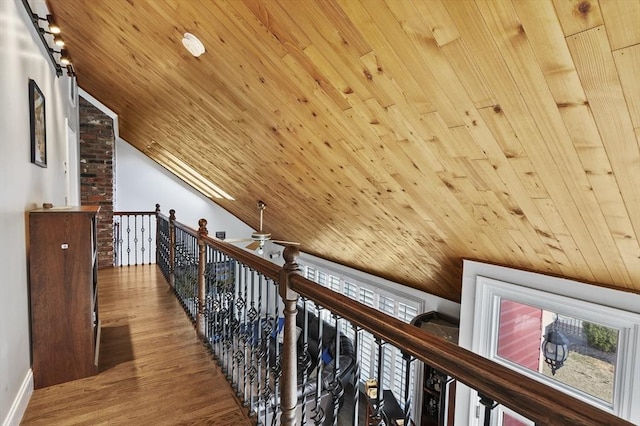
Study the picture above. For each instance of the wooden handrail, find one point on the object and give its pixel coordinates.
(530, 398)
(135, 213)
(186, 228)
(258, 264)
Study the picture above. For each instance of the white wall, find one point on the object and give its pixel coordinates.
(24, 186)
(141, 183)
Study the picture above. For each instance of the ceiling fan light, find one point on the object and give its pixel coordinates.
(193, 44)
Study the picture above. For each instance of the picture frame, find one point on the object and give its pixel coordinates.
(37, 120)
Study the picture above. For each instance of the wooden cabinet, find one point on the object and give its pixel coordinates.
(438, 389)
(65, 322)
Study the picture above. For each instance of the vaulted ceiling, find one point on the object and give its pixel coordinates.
(394, 136)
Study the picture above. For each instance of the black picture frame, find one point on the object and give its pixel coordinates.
(37, 119)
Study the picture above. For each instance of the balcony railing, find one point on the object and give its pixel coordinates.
(264, 326)
(134, 237)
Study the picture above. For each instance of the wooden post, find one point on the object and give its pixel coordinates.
(172, 248)
(288, 391)
(202, 288)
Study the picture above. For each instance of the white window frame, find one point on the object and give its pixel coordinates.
(483, 287)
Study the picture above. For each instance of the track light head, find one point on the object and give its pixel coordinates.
(64, 57)
(58, 40)
(53, 26)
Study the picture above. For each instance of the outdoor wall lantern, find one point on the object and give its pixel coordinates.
(555, 348)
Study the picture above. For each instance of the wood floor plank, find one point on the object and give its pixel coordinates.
(153, 370)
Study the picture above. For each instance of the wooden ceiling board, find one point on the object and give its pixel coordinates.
(628, 66)
(393, 136)
(578, 15)
(595, 65)
(621, 18)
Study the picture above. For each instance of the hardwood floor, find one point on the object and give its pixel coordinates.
(153, 370)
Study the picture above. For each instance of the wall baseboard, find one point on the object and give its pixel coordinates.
(21, 401)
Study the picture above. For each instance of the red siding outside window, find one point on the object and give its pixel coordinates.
(520, 334)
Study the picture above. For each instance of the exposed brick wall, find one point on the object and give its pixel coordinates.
(97, 181)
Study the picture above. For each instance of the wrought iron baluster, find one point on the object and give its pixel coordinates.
(237, 329)
(319, 414)
(135, 239)
(266, 339)
(162, 256)
(218, 271)
(356, 374)
(142, 249)
(337, 390)
(408, 360)
(128, 240)
(265, 331)
(377, 412)
(229, 323)
(216, 295)
(116, 237)
(120, 241)
(210, 311)
(260, 350)
(149, 241)
(252, 316)
(245, 335)
(304, 359)
(233, 329)
(194, 276)
(276, 370)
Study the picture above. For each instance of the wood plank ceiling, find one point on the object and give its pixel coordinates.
(394, 136)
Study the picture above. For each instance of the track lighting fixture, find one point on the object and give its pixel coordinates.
(54, 31)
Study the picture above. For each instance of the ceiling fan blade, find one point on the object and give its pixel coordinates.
(254, 245)
(286, 243)
(236, 240)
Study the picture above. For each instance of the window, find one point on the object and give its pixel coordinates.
(394, 372)
(511, 323)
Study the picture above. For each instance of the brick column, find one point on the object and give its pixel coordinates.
(97, 181)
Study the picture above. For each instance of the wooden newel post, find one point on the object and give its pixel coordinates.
(288, 391)
(202, 288)
(172, 248)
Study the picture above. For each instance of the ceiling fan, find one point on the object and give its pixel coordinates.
(259, 237)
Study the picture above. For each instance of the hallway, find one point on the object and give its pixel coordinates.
(153, 371)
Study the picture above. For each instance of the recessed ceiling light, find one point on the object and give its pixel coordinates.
(192, 44)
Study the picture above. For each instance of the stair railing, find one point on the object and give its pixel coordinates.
(238, 317)
(134, 237)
